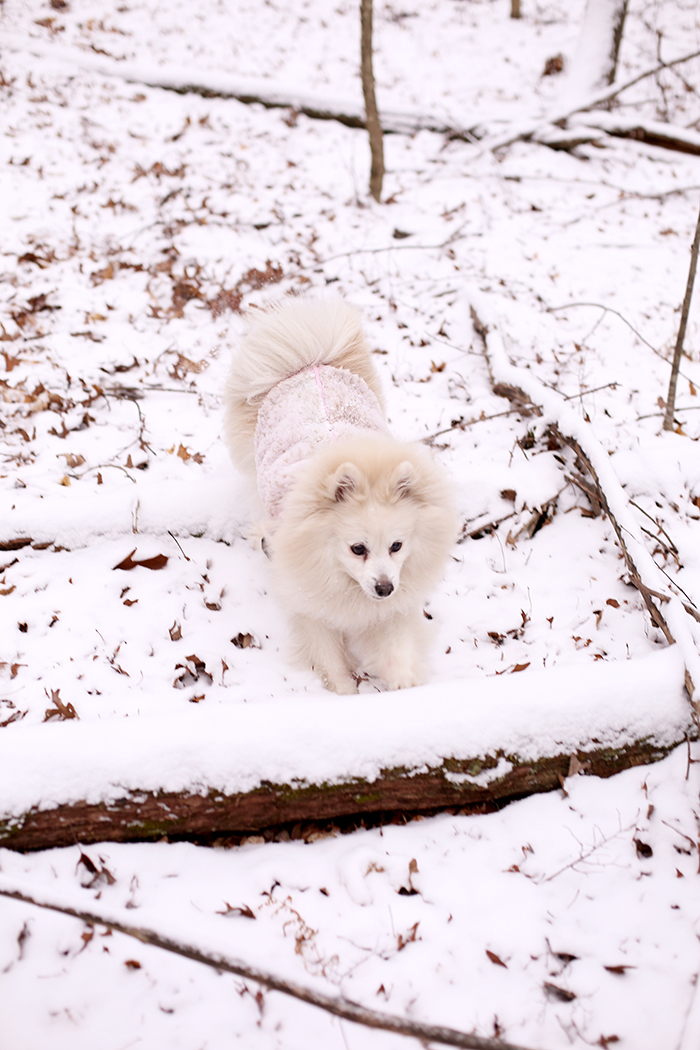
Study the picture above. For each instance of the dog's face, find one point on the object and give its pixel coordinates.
(373, 527)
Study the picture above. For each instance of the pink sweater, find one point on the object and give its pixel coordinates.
(303, 413)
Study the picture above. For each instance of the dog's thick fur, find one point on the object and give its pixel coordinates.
(367, 524)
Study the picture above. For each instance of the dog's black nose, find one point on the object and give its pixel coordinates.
(383, 587)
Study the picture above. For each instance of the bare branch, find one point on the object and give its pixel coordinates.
(336, 1005)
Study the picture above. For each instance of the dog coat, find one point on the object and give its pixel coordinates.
(301, 414)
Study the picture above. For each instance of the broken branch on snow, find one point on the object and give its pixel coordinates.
(333, 1004)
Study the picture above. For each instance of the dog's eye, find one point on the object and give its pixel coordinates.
(395, 547)
(359, 549)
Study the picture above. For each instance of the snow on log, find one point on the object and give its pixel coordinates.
(240, 769)
(651, 132)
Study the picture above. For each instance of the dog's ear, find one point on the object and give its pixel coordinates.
(347, 482)
(404, 481)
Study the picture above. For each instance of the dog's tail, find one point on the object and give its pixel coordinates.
(282, 341)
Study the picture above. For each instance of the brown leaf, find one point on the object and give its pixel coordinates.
(411, 936)
(495, 959)
(61, 711)
(245, 641)
(508, 495)
(159, 561)
(644, 850)
(17, 716)
(576, 767)
(613, 603)
(244, 911)
(72, 460)
(132, 964)
(175, 632)
(555, 992)
(520, 667)
(621, 969)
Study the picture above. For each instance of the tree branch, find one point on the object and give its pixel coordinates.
(336, 1005)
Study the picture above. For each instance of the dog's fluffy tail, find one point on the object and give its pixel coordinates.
(281, 341)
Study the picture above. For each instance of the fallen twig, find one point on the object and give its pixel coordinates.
(336, 1005)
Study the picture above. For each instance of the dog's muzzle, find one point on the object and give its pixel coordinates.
(383, 587)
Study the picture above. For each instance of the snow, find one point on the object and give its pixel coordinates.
(135, 224)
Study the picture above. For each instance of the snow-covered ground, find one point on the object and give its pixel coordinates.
(138, 225)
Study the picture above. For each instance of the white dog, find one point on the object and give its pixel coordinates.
(359, 525)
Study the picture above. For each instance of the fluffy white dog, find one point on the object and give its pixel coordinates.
(358, 525)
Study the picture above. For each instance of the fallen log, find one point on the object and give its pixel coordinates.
(144, 816)
(235, 771)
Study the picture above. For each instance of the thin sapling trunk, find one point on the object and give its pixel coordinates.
(374, 128)
(671, 397)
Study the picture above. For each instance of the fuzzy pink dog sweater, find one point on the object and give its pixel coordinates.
(301, 414)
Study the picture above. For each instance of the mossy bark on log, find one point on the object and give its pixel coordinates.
(142, 816)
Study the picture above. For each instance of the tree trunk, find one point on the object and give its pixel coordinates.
(376, 141)
(595, 62)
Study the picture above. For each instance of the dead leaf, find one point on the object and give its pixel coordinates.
(245, 641)
(496, 959)
(520, 667)
(403, 941)
(555, 992)
(576, 767)
(621, 969)
(644, 850)
(244, 911)
(159, 561)
(175, 632)
(71, 459)
(61, 711)
(192, 671)
(17, 716)
(132, 964)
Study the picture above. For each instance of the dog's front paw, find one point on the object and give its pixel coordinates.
(406, 678)
(343, 686)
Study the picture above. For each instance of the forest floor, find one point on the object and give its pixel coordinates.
(139, 225)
